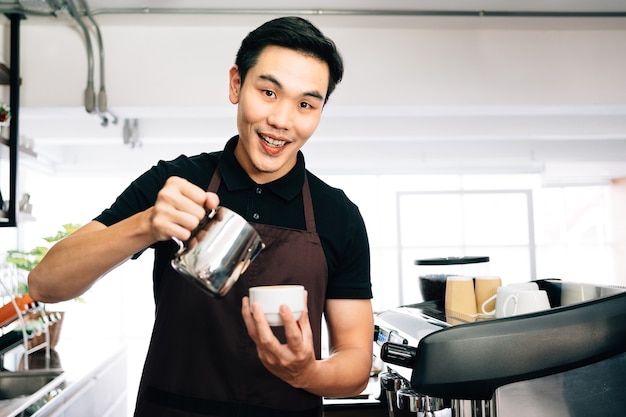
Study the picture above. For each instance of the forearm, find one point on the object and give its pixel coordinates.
(75, 263)
(350, 331)
(343, 374)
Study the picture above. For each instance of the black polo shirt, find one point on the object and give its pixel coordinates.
(278, 203)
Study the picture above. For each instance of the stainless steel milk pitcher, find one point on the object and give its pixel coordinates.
(220, 249)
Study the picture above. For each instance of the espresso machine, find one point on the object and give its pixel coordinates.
(567, 361)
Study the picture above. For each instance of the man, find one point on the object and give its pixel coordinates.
(226, 360)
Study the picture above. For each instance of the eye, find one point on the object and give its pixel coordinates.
(269, 93)
(305, 105)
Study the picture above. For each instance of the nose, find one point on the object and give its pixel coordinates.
(281, 116)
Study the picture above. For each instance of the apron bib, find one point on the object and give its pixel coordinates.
(201, 361)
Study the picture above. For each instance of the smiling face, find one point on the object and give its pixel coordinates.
(279, 107)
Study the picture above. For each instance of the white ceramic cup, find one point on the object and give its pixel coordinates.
(502, 293)
(524, 285)
(525, 301)
(271, 297)
(460, 296)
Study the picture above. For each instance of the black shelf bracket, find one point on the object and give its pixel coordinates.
(14, 104)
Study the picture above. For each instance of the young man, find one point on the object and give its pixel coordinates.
(227, 361)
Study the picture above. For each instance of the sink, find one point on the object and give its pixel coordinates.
(25, 383)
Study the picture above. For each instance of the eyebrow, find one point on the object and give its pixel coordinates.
(314, 94)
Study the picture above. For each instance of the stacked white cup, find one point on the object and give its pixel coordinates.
(515, 299)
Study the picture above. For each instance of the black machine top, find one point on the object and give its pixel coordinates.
(470, 361)
(464, 260)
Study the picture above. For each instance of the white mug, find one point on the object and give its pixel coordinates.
(502, 293)
(525, 301)
(525, 285)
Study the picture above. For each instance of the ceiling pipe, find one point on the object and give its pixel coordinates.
(33, 7)
(63, 8)
(90, 93)
(130, 133)
(330, 12)
(358, 12)
(18, 8)
(105, 114)
(102, 96)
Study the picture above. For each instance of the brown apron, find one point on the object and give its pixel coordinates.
(201, 361)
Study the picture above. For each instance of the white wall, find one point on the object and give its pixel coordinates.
(521, 94)
(408, 63)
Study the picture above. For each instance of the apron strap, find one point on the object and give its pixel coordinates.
(216, 180)
(309, 216)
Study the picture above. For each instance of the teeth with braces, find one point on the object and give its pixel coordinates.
(272, 142)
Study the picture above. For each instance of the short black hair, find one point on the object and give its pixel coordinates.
(294, 33)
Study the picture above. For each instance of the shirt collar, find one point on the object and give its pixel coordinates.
(235, 177)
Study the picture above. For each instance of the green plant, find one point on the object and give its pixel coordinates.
(27, 260)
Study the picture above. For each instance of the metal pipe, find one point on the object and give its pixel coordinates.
(102, 95)
(357, 12)
(107, 117)
(90, 94)
(335, 12)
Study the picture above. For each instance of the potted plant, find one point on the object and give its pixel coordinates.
(26, 261)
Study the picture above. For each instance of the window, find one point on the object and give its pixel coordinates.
(528, 231)
(465, 223)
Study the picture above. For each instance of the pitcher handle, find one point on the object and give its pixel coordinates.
(208, 215)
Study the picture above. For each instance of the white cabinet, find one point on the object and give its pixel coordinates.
(101, 393)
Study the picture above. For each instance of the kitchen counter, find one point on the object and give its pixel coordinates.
(364, 405)
(92, 376)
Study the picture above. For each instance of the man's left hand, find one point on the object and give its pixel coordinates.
(291, 361)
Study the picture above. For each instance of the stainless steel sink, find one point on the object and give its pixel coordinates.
(25, 383)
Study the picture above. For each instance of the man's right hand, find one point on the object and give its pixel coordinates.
(179, 208)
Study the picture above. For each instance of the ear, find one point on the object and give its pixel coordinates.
(234, 84)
